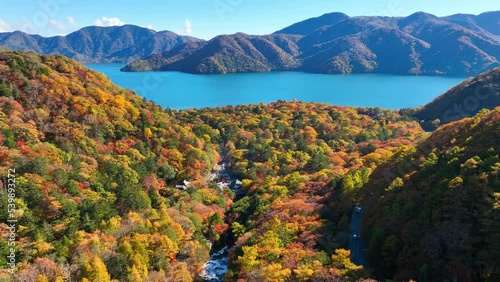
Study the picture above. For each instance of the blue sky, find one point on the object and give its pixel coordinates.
(208, 18)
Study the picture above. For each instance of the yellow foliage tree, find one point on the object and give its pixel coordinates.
(275, 273)
(249, 258)
(148, 133)
(180, 273)
(270, 245)
(246, 183)
(42, 278)
(341, 261)
(306, 271)
(134, 275)
(95, 270)
(42, 247)
(140, 263)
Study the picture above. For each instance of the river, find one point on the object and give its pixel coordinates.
(215, 269)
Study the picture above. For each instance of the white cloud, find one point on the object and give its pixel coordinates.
(50, 27)
(187, 27)
(104, 21)
(71, 20)
(58, 25)
(5, 27)
(149, 26)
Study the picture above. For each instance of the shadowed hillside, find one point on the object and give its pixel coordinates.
(463, 100)
(433, 211)
(95, 169)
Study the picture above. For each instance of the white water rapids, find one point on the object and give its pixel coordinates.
(216, 267)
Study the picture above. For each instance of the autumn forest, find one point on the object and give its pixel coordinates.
(97, 194)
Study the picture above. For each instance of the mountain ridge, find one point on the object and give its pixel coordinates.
(336, 43)
(94, 44)
(460, 44)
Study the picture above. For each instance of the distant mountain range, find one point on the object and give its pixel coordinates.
(99, 44)
(336, 43)
(333, 43)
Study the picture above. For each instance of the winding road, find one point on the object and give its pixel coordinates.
(356, 245)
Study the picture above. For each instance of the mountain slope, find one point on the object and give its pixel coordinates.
(359, 53)
(227, 54)
(99, 44)
(432, 211)
(463, 100)
(94, 168)
(486, 21)
(452, 47)
(305, 27)
(335, 43)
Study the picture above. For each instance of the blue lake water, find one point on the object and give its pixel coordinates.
(177, 90)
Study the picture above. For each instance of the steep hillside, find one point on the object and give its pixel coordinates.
(360, 53)
(227, 54)
(478, 51)
(487, 21)
(99, 44)
(305, 27)
(463, 100)
(432, 212)
(335, 43)
(94, 168)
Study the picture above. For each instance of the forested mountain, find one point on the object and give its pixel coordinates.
(433, 210)
(313, 24)
(463, 100)
(335, 43)
(98, 44)
(486, 21)
(96, 170)
(227, 54)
